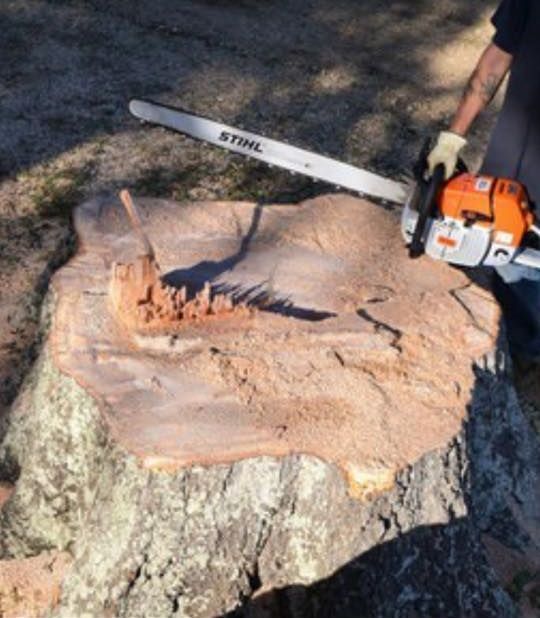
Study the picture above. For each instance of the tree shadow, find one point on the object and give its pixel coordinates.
(405, 578)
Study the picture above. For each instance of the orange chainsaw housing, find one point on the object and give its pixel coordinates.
(496, 203)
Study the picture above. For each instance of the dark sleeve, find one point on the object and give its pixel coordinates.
(509, 21)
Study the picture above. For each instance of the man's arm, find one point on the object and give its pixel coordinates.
(482, 86)
(488, 75)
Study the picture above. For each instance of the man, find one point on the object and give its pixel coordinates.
(514, 148)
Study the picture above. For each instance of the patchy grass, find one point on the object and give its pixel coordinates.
(238, 180)
(59, 191)
(169, 181)
(54, 188)
(259, 183)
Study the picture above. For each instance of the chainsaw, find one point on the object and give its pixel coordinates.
(468, 220)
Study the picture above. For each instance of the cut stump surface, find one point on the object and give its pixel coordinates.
(347, 333)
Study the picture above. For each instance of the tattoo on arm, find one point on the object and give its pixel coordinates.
(490, 87)
(485, 88)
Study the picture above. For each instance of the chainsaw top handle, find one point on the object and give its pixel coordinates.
(425, 203)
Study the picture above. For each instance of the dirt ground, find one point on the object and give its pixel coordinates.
(361, 80)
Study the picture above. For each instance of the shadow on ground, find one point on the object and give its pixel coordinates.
(309, 71)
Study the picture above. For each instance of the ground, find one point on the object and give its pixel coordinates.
(363, 81)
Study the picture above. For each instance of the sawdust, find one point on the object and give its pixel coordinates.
(29, 587)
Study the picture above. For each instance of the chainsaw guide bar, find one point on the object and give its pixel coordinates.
(272, 152)
(467, 220)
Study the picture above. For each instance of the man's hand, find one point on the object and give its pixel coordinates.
(446, 152)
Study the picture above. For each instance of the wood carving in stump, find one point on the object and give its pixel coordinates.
(145, 303)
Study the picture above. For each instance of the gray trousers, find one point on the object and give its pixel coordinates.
(517, 289)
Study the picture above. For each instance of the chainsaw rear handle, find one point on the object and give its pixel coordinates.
(425, 203)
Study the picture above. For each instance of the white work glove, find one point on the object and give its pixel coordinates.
(446, 151)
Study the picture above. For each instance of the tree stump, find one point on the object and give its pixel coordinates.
(278, 414)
